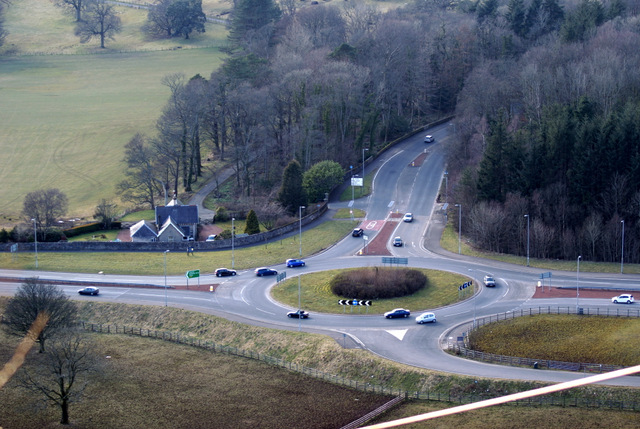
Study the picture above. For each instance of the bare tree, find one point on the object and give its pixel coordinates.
(74, 6)
(140, 187)
(32, 298)
(101, 20)
(58, 373)
(45, 206)
(105, 212)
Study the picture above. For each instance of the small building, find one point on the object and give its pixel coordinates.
(171, 232)
(143, 231)
(183, 217)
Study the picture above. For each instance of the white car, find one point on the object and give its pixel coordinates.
(429, 139)
(623, 299)
(426, 318)
(408, 217)
(212, 237)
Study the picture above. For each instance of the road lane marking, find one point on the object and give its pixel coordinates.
(398, 334)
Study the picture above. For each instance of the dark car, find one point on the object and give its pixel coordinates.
(357, 232)
(397, 312)
(298, 314)
(222, 272)
(295, 263)
(264, 271)
(89, 291)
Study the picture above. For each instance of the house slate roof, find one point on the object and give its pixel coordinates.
(181, 215)
(143, 229)
(169, 223)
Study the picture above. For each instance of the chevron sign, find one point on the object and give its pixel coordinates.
(354, 302)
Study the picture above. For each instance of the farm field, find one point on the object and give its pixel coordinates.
(74, 108)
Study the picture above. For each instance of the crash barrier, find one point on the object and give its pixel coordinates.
(461, 347)
(453, 397)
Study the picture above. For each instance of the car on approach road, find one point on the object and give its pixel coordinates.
(89, 291)
(623, 299)
(357, 232)
(489, 281)
(397, 312)
(408, 217)
(397, 242)
(222, 272)
(291, 263)
(429, 139)
(426, 318)
(264, 271)
(298, 314)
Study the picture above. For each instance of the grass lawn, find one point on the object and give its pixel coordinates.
(71, 115)
(316, 295)
(141, 263)
(144, 383)
(591, 339)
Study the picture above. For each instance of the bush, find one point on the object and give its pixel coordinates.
(83, 229)
(378, 283)
(252, 226)
(221, 214)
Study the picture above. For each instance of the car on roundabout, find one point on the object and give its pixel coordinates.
(223, 272)
(90, 290)
(426, 318)
(357, 232)
(397, 313)
(397, 242)
(623, 299)
(489, 281)
(264, 271)
(408, 217)
(291, 263)
(298, 314)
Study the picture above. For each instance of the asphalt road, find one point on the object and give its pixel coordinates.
(400, 185)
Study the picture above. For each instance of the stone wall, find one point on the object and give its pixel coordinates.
(112, 246)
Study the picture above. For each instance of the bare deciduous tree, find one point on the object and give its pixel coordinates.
(101, 20)
(58, 373)
(45, 206)
(34, 297)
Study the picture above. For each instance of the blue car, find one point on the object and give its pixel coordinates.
(397, 312)
(264, 271)
(294, 263)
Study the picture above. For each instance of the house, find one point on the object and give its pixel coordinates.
(184, 219)
(143, 231)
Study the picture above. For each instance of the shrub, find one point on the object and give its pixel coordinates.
(221, 214)
(252, 226)
(378, 283)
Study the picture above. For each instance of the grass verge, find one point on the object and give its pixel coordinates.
(316, 295)
(144, 263)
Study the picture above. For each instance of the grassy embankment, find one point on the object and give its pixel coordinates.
(74, 108)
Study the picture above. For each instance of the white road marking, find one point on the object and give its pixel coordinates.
(398, 334)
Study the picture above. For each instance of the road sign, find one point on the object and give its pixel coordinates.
(192, 274)
(281, 276)
(354, 302)
(544, 275)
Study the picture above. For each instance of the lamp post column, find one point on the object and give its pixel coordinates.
(165, 277)
(363, 149)
(622, 249)
(578, 285)
(233, 237)
(300, 228)
(527, 216)
(35, 239)
(459, 227)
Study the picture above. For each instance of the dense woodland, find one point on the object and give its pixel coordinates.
(545, 96)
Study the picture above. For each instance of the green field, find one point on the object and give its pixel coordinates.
(71, 115)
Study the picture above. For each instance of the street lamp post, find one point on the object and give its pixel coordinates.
(459, 226)
(446, 186)
(35, 239)
(165, 277)
(578, 284)
(622, 249)
(300, 215)
(363, 177)
(233, 237)
(527, 216)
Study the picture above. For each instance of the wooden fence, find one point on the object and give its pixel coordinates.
(452, 397)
